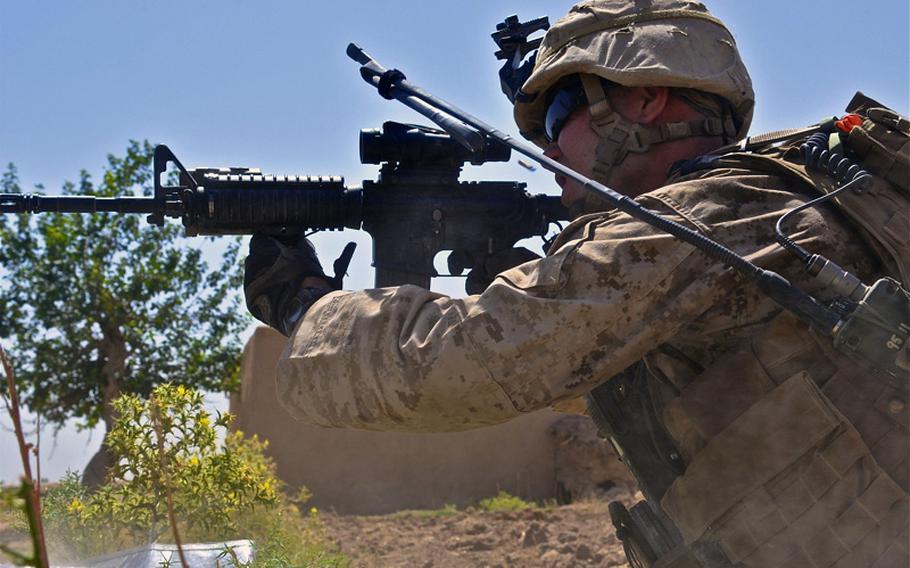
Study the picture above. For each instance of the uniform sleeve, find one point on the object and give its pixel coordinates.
(549, 330)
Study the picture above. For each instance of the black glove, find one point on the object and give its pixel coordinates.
(273, 279)
(486, 268)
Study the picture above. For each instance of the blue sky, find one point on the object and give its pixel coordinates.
(267, 84)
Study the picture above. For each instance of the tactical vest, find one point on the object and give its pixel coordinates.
(782, 452)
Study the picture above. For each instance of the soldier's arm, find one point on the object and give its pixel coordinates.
(546, 331)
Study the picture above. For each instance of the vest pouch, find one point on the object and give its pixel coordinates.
(881, 144)
(881, 212)
(790, 482)
(882, 141)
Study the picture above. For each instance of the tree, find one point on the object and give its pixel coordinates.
(103, 304)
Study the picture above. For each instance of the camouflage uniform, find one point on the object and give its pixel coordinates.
(614, 291)
(754, 443)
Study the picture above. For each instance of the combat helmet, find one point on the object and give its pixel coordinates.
(669, 43)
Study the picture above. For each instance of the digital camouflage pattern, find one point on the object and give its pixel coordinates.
(754, 442)
(611, 290)
(671, 43)
(793, 455)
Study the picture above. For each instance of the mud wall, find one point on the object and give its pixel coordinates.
(361, 472)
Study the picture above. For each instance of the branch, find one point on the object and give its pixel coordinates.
(29, 490)
(37, 451)
(172, 518)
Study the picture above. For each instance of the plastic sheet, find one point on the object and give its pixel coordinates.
(198, 555)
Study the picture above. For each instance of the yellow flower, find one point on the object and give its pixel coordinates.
(75, 506)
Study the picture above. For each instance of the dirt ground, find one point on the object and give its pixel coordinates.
(579, 534)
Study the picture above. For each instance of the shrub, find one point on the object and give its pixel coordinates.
(224, 490)
(11, 514)
(285, 537)
(505, 502)
(446, 510)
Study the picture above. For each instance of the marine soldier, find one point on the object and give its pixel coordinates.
(753, 441)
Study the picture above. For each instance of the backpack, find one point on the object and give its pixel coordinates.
(881, 145)
(871, 137)
(873, 142)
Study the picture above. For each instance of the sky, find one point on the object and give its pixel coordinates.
(267, 84)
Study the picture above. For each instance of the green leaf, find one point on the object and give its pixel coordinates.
(87, 300)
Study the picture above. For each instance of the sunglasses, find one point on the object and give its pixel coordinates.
(565, 101)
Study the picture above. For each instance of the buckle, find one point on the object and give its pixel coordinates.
(674, 130)
(638, 550)
(713, 127)
(638, 142)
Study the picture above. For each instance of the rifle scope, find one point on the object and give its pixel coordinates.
(415, 144)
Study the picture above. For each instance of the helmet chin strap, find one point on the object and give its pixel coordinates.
(619, 137)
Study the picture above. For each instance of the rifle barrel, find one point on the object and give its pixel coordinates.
(33, 203)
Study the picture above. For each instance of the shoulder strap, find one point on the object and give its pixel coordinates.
(881, 213)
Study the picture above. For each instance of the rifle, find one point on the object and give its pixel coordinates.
(416, 207)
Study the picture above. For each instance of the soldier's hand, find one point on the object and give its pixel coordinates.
(486, 269)
(283, 279)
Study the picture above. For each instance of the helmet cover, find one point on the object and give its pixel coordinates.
(641, 43)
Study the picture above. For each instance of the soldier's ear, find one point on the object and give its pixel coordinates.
(643, 105)
(650, 103)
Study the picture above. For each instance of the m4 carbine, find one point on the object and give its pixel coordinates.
(416, 208)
